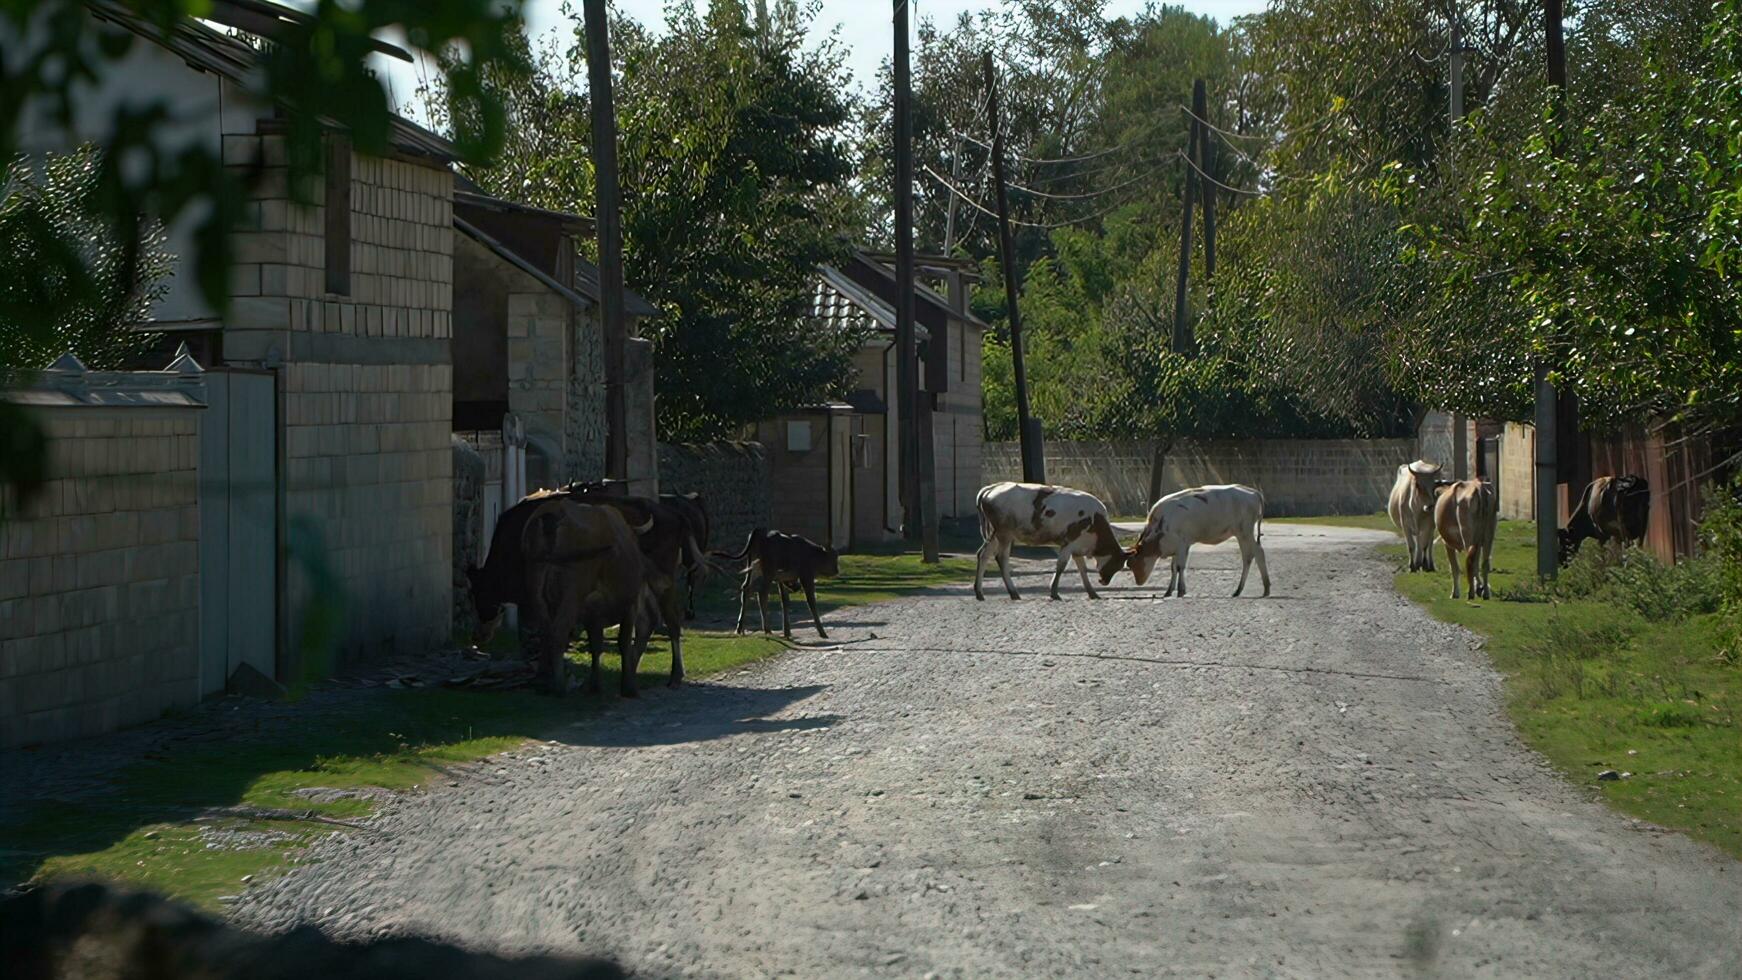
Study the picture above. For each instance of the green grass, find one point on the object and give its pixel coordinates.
(145, 829)
(1372, 522)
(1595, 685)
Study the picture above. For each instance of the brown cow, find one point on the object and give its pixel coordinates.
(584, 567)
(1613, 508)
(786, 561)
(1465, 515)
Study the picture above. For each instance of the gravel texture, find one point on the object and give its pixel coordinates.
(1321, 783)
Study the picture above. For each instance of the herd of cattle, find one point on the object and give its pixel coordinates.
(1463, 513)
(586, 558)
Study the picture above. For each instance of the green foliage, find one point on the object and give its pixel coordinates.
(734, 189)
(53, 224)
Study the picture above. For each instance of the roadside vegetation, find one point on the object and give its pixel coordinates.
(1622, 665)
(206, 819)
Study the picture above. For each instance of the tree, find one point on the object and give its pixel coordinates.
(51, 206)
(735, 188)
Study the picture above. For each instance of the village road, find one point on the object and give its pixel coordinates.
(1321, 783)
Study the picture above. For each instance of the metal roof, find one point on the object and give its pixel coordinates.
(921, 291)
(513, 258)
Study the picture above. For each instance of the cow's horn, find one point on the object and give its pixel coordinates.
(645, 527)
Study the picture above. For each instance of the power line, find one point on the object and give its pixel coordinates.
(1046, 226)
(1047, 161)
(1194, 165)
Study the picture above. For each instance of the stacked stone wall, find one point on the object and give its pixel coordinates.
(99, 577)
(733, 479)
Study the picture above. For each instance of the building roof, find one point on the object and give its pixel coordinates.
(921, 292)
(210, 50)
(466, 193)
(585, 292)
(931, 262)
(842, 302)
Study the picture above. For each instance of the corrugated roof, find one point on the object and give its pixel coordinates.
(587, 281)
(843, 303)
(921, 292)
(513, 258)
(213, 51)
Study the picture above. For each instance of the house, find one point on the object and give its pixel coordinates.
(834, 475)
(324, 463)
(529, 357)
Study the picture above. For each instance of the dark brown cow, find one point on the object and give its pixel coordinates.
(584, 568)
(695, 567)
(787, 561)
(1613, 508)
(663, 544)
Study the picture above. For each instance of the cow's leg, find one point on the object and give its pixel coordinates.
(810, 599)
(1004, 570)
(1172, 576)
(1427, 549)
(596, 648)
(1245, 564)
(1263, 569)
(671, 604)
(1452, 559)
(980, 568)
(629, 656)
(1409, 543)
(743, 600)
(762, 601)
(1180, 563)
(1487, 567)
(785, 612)
(1058, 571)
(1472, 559)
(1083, 570)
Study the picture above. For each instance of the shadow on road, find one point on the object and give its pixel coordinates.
(701, 713)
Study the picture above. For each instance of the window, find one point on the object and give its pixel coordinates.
(338, 208)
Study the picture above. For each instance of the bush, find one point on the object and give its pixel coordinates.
(1637, 580)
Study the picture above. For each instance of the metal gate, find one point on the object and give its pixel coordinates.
(238, 526)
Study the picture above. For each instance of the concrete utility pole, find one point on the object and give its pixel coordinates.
(608, 223)
(1028, 428)
(1547, 457)
(1182, 324)
(1460, 439)
(906, 370)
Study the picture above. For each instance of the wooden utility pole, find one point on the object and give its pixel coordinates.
(906, 369)
(1182, 340)
(1460, 437)
(1028, 428)
(1547, 458)
(608, 224)
(1206, 160)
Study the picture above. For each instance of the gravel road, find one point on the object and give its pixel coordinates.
(1321, 783)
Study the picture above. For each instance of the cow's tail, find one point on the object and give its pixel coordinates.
(749, 542)
(986, 531)
(1258, 525)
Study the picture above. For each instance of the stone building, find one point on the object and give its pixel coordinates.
(834, 471)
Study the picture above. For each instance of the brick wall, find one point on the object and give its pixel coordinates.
(1299, 477)
(99, 578)
(367, 384)
(732, 478)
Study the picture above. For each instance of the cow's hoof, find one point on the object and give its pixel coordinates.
(979, 598)
(629, 692)
(822, 634)
(674, 682)
(1054, 597)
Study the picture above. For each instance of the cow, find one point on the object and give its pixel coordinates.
(694, 510)
(1613, 508)
(1412, 509)
(1032, 514)
(1200, 515)
(1465, 515)
(664, 545)
(583, 567)
(786, 561)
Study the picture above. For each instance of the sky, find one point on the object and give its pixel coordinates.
(864, 26)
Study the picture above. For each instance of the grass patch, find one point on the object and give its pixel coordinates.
(171, 824)
(1624, 670)
(1372, 522)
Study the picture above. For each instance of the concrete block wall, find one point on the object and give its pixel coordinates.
(1299, 477)
(367, 383)
(1518, 472)
(538, 343)
(584, 422)
(733, 479)
(99, 577)
(958, 427)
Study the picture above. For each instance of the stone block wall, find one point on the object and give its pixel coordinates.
(99, 577)
(538, 375)
(367, 383)
(1299, 477)
(584, 423)
(732, 477)
(469, 530)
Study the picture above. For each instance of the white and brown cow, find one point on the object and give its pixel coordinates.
(1200, 515)
(1412, 509)
(1032, 514)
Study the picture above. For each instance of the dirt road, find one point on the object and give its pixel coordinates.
(1320, 783)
